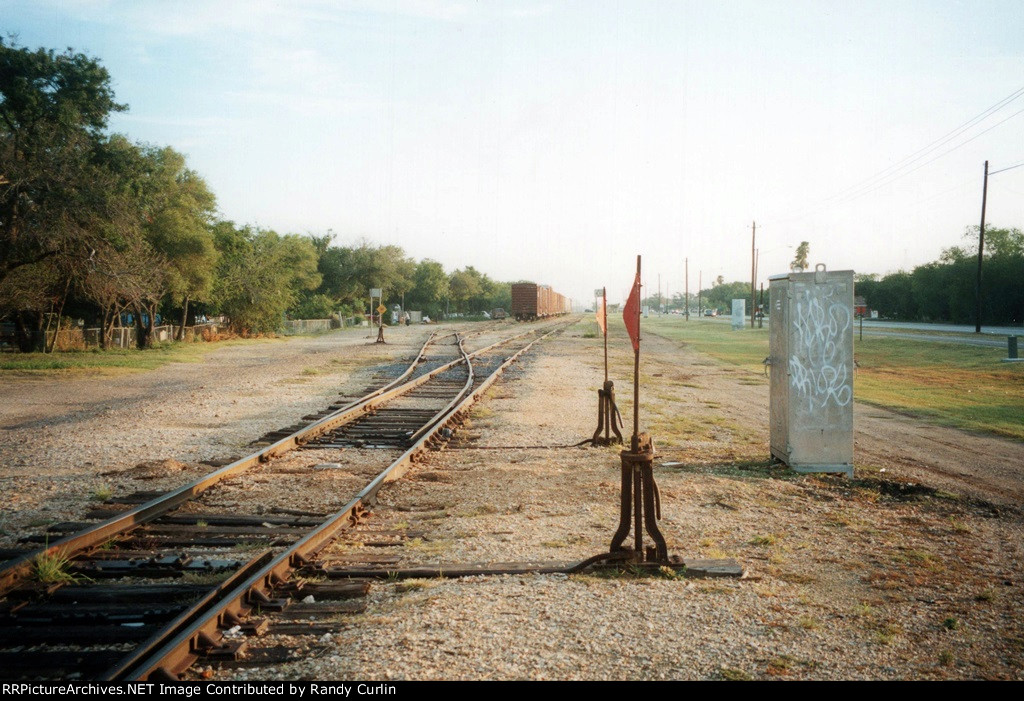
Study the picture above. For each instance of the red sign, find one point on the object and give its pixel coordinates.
(631, 313)
(602, 317)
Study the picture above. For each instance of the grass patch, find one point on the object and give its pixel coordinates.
(102, 493)
(54, 567)
(734, 675)
(407, 585)
(946, 383)
(115, 359)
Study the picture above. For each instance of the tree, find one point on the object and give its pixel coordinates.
(261, 275)
(800, 259)
(54, 208)
(430, 287)
(465, 287)
(180, 211)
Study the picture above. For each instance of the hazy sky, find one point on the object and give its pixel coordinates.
(554, 141)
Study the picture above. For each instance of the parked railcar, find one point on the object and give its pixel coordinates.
(531, 301)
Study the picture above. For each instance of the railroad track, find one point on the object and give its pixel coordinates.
(186, 575)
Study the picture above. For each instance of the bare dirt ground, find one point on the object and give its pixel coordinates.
(873, 578)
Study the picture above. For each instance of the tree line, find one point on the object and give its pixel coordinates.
(940, 291)
(943, 290)
(98, 227)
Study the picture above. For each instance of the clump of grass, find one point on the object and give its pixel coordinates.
(310, 371)
(950, 623)
(988, 594)
(54, 567)
(204, 578)
(946, 658)
(734, 675)
(102, 493)
(808, 622)
(417, 584)
(769, 539)
(886, 633)
(958, 525)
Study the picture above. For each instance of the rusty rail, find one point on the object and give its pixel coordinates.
(18, 569)
(188, 639)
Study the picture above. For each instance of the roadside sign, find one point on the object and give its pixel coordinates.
(375, 292)
(381, 309)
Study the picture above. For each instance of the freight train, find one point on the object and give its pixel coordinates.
(531, 301)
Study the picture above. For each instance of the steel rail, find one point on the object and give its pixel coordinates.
(16, 570)
(68, 546)
(184, 647)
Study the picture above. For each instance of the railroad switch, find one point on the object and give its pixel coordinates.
(641, 504)
(609, 420)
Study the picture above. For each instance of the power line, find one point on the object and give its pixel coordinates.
(944, 139)
(891, 174)
(941, 155)
(1007, 168)
(932, 160)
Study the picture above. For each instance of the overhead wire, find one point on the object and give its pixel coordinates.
(892, 173)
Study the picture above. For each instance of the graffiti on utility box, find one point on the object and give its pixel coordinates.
(818, 369)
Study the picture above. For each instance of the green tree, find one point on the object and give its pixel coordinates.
(430, 287)
(54, 208)
(261, 275)
(465, 288)
(800, 259)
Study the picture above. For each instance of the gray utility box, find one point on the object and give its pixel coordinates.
(811, 357)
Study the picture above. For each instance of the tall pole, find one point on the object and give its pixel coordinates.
(686, 298)
(753, 272)
(700, 283)
(635, 443)
(981, 249)
(604, 312)
(660, 305)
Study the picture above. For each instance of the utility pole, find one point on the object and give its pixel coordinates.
(686, 298)
(753, 272)
(981, 250)
(700, 277)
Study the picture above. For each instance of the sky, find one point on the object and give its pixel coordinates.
(554, 141)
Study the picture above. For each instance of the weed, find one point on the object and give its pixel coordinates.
(102, 493)
(408, 585)
(769, 539)
(808, 622)
(946, 658)
(989, 594)
(54, 567)
(204, 578)
(958, 526)
(734, 675)
(950, 623)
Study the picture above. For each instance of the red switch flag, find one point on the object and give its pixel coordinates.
(601, 316)
(631, 313)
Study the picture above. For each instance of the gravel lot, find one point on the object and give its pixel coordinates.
(872, 578)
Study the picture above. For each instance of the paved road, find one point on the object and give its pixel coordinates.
(944, 328)
(990, 336)
(939, 338)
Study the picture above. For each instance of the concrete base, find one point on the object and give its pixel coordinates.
(835, 469)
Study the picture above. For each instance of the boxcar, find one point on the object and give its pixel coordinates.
(532, 301)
